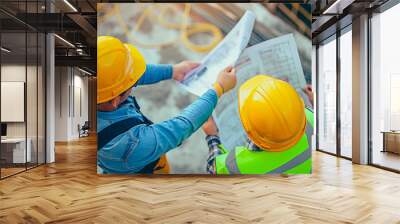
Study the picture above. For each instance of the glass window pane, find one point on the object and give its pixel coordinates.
(327, 97)
(346, 94)
(31, 97)
(386, 89)
(31, 88)
(13, 86)
(23, 87)
(41, 98)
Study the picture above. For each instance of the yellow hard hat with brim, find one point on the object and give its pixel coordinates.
(272, 113)
(119, 67)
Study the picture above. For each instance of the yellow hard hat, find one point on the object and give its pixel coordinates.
(119, 67)
(272, 113)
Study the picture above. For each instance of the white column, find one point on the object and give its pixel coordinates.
(50, 99)
(360, 90)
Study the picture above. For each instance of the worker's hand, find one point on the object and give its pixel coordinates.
(210, 127)
(310, 94)
(226, 80)
(180, 70)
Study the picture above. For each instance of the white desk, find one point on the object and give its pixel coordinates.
(18, 149)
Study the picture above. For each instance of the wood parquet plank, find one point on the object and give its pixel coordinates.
(70, 191)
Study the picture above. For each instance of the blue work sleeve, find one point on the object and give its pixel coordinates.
(159, 138)
(155, 73)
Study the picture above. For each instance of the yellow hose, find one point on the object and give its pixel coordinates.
(201, 28)
(186, 30)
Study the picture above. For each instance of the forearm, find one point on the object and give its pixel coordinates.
(155, 73)
(200, 110)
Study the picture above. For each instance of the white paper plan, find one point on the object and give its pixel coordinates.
(277, 57)
(224, 54)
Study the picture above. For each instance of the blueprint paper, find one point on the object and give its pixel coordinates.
(224, 54)
(277, 57)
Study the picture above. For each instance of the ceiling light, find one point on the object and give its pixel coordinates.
(328, 10)
(65, 41)
(337, 7)
(5, 49)
(84, 71)
(70, 5)
(79, 51)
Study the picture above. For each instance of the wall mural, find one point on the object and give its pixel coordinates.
(204, 88)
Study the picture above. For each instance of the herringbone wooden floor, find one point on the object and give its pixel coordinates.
(70, 191)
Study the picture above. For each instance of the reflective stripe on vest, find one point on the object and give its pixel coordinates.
(250, 161)
(306, 154)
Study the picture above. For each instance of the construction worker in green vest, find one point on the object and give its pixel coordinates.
(278, 126)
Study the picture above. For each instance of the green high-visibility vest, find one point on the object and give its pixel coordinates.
(296, 160)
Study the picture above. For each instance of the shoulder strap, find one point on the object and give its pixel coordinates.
(115, 129)
(146, 120)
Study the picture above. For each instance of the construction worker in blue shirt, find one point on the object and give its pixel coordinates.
(128, 142)
(278, 126)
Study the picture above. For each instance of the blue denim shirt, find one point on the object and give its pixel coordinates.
(141, 145)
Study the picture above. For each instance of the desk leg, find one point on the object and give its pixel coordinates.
(384, 142)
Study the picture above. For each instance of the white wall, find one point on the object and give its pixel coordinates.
(61, 103)
(79, 117)
(13, 73)
(33, 126)
(69, 82)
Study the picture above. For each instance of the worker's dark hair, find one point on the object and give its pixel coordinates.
(123, 93)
